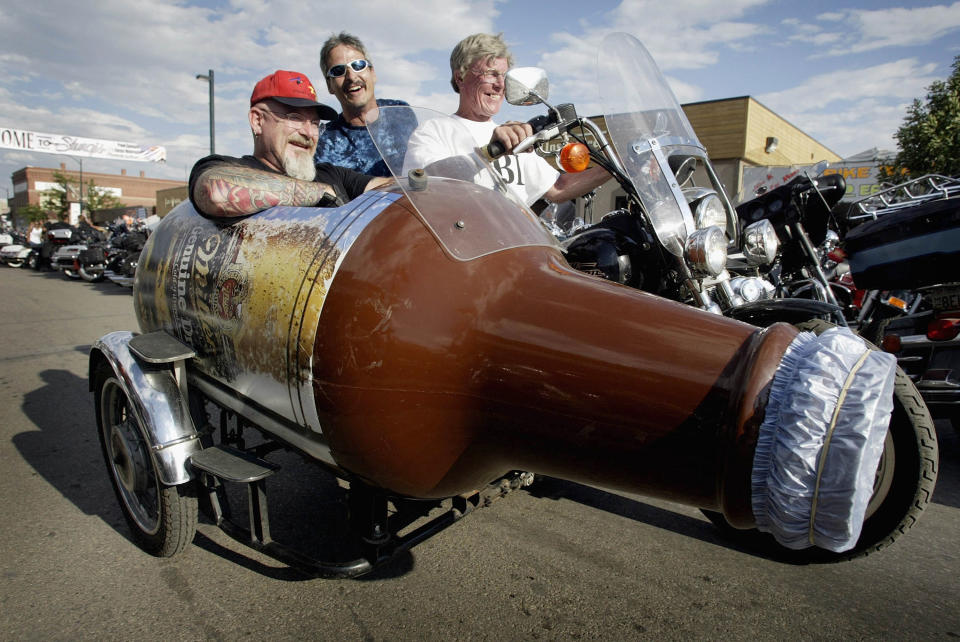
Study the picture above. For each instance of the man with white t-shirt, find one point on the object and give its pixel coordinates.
(478, 64)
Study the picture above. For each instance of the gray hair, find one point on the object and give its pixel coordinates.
(337, 39)
(479, 46)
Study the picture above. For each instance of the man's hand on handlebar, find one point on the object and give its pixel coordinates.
(511, 134)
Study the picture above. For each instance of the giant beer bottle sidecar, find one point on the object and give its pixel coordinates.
(417, 358)
(431, 342)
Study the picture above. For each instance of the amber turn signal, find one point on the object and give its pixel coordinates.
(574, 157)
(891, 343)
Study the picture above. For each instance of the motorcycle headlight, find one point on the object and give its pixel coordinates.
(706, 251)
(760, 242)
(709, 211)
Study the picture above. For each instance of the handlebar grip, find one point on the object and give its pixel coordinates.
(493, 150)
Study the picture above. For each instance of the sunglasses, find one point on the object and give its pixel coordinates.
(357, 65)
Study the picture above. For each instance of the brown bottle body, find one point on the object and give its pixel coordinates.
(429, 375)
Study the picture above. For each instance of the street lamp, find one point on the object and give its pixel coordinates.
(209, 78)
(80, 161)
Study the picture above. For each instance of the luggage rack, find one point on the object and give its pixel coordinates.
(919, 190)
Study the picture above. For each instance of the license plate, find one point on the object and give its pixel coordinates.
(945, 299)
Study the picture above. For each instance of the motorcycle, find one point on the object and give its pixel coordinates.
(429, 344)
(57, 235)
(908, 237)
(804, 276)
(100, 254)
(120, 263)
(675, 238)
(16, 251)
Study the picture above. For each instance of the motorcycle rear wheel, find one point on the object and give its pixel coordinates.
(162, 519)
(15, 263)
(903, 485)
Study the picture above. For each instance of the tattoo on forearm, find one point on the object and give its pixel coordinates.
(238, 191)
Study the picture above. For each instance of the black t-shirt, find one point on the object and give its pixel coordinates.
(347, 183)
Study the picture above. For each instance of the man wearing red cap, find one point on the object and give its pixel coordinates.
(285, 120)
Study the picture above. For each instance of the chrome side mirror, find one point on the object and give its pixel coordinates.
(526, 86)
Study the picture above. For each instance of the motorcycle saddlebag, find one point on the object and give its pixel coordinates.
(92, 255)
(907, 249)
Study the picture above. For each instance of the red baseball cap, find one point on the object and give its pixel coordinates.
(290, 88)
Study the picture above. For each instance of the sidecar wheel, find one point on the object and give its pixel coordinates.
(902, 488)
(163, 519)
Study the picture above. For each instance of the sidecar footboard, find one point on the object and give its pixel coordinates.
(142, 367)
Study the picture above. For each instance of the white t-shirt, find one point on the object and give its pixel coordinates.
(36, 235)
(529, 176)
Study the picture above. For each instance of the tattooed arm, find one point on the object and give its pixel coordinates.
(232, 190)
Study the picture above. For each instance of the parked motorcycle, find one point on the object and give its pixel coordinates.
(908, 237)
(16, 251)
(803, 273)
(100, 253)
(427, 341)
(121, 265)
(56, 236)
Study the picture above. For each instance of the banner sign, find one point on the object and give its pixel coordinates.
(75, 146)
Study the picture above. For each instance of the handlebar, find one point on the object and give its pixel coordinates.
(495, 149)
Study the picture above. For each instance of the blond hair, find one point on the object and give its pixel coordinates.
(479, 46)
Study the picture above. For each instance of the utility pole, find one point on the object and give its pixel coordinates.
(209, 78)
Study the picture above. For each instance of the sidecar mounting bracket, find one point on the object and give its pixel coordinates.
(369, 514)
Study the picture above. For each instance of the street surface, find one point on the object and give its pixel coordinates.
(562, 562)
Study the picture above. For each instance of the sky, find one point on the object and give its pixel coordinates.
(844, 71)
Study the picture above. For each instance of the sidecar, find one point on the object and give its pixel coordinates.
(422, 352)
(429, 344)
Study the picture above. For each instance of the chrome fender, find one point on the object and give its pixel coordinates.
(160, 406)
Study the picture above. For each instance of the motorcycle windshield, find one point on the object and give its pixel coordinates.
(644, 120)
(459, 197)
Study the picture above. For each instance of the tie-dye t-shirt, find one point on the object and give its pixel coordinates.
(350, 146)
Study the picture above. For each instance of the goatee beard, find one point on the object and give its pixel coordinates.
(299, 166)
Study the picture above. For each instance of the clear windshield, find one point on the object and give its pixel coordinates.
(460, 198)
(645, 120)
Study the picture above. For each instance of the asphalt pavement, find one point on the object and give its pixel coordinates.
(561, 561)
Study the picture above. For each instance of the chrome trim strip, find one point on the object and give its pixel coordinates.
(346, 231)
(309, 443)
(921, 341)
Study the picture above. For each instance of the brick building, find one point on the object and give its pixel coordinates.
(133, 191)
(169, 198)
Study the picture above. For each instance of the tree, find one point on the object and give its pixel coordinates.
(57, 199)
(929, 139)
(98, 198)
(33, 213)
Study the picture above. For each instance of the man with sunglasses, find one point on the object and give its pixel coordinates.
(285, 119)
(351, 78)
(478, 65)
